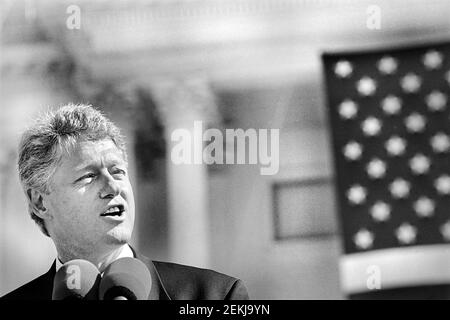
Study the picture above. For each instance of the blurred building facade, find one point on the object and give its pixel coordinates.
(159, 65)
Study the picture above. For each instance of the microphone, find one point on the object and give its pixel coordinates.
(76, 279)
(125, 279)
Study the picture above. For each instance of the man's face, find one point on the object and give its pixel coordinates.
(91, 200)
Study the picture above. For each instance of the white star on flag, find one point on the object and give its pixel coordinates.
(399, 188)
(348, 109)
(419, 164)
(406, 233)
(445, 231)
(371, 126)
(424, 207)
(395, 146)
(363, 239)
(415, 122)
(353, 150)
(442, 184)
(380, 211)
(387, 65)
(391, 105)
(366, 86)
(357, 194)
(432, 59)
(411, 83)
(343, 69)
(376, 168)
(436, 101)
(440, 142)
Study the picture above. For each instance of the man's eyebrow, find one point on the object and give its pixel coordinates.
(84, 167)
(114, 161)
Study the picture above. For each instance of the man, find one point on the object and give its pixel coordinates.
(73, 169)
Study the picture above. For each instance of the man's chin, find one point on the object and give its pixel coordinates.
(118, 235)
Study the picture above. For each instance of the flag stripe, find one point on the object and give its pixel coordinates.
(397, 267)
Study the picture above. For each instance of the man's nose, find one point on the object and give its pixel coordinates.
(110, 189)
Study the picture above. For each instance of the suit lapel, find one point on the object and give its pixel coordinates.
(158, 292)
(47, 282)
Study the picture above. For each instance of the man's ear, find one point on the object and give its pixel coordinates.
(36, 200)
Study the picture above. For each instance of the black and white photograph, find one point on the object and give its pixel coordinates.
(224, 150)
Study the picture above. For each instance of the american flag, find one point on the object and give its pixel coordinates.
(389, 113)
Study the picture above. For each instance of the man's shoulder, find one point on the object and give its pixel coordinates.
(188, 282)
(187, 273)
(38, 289)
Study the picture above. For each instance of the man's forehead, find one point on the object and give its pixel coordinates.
(87, 153)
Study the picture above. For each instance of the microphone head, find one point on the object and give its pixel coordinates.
(125, 279)
(76, 279)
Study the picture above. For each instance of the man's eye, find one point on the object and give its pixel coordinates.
(88, 177)
(119, 172)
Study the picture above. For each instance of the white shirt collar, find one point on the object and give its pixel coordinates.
(125, 252)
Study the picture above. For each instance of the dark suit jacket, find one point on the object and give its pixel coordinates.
(170, 281)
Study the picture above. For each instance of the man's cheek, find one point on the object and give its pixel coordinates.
(81, 191)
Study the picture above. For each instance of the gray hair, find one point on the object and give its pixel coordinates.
(42, 145)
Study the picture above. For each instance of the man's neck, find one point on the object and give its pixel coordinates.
(102, 262)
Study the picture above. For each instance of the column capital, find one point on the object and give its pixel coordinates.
(113, 95)
(185, 100)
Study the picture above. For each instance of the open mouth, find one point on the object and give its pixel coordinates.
(115, 211)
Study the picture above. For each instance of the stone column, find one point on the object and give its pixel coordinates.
(2, 195)
(181, 103)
